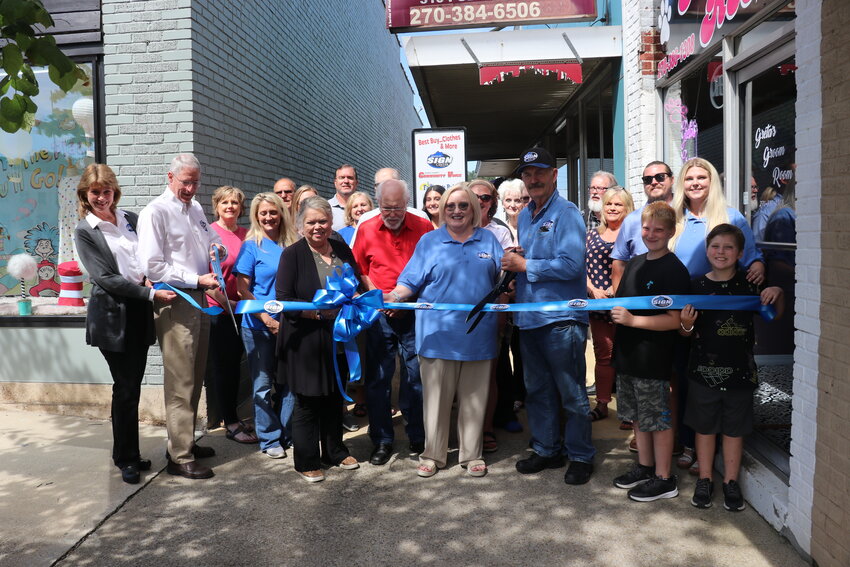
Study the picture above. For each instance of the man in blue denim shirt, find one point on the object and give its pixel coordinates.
(550, 267)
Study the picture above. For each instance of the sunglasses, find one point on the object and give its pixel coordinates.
(659, 177)
(460, 206)
(486, 198)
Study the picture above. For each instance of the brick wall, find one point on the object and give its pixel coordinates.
(807, 319)
(640, 52)
(257, 90)
(296, 89)
(830, 545)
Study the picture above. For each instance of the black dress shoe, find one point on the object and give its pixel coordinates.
(130, 474)
(193, 470)
(578, 472)
(144, 465)
(381, 455)
(536, 463)
(417, 447)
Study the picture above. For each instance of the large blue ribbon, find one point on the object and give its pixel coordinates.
(214, 310)
(356, 313)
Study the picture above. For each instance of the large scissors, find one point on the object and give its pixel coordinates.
(501, 287)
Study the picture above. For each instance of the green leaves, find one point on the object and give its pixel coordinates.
(24, 50)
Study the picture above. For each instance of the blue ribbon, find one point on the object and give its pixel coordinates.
(713, 302)
(208, 310)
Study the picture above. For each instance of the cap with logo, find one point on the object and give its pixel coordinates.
(537, 157)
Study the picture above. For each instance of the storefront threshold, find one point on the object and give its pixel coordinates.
(765, 488)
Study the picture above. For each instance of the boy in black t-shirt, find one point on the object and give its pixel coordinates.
(721, 368)
(643, 356)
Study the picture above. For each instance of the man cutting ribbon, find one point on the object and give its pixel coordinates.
(174, 249)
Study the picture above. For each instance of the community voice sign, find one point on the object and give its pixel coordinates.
(439, 158)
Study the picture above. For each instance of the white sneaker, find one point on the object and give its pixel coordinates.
(276, 452)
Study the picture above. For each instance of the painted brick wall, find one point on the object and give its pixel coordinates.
(256, 90)
(808, 291)
(296, 89)
(638, 36)
(829, 544)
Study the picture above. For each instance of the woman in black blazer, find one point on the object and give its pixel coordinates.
(306, 347)
(120, 309)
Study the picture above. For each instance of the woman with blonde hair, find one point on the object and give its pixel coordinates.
(700, 205)
(357, 204)
(303, 192)
(256, 269)
(617, 203)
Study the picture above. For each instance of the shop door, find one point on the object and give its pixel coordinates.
(769, 97)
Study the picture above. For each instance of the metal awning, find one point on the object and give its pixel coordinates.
(507, 116)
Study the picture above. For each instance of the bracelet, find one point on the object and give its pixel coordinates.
(319, 315)
(684, 329)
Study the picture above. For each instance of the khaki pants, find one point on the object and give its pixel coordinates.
(441, 379)
(183, 334)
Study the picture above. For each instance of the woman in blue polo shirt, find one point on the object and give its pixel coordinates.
(457, 263)
(256, 269)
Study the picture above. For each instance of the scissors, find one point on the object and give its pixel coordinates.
(501, 287)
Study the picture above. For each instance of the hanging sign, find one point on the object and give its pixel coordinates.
(439, 158)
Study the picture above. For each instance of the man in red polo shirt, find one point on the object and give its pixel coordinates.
(384, 245)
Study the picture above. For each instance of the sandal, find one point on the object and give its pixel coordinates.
(626, 425)
(686, 459)
(248, 426)
(599, 412)
(475, 468)
(694, 468)
(426, 468)
(359, 410)
(241, 435)
(490, 443)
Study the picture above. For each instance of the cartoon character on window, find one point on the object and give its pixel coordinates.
(42, 241)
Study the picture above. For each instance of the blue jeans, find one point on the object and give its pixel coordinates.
(386, 337)
(273, 403)
(554, 368)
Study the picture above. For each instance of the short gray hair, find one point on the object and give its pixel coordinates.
(383, 184)
(607, 174)
(182, 161)
(316, 204)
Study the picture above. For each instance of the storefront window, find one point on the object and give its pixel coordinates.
(693, 117)
(39, 171)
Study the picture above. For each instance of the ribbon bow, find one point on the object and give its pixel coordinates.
(355, 314)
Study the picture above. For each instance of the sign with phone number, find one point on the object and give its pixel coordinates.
(413, 15)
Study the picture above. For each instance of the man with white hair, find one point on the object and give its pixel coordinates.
(385, 245)
(174, 248)
(384, 174)
(285, 188)
(600, 182)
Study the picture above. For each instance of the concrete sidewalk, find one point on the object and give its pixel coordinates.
(62, 498)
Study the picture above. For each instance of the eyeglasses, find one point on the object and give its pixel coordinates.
(460, 206)
(526, 199)
(285, 192)
(485, 198)
(659, 177)
(595, 189)
(392, 209)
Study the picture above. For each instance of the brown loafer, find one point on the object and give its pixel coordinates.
(193, 470)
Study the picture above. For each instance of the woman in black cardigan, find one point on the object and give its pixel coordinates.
(120, 309)
(306, 345)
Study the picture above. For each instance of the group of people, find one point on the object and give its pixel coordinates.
(454, 250)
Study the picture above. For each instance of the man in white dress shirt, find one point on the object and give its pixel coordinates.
(345, 183)
(174, 248)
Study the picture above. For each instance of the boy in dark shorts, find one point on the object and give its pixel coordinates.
(721, 368)
(643, 356)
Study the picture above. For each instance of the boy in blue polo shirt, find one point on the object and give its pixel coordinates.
(643, 356)
(721, 368)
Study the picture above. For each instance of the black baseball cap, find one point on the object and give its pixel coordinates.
(537, 157)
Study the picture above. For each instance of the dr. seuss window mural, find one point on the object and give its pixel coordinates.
(40, 171)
